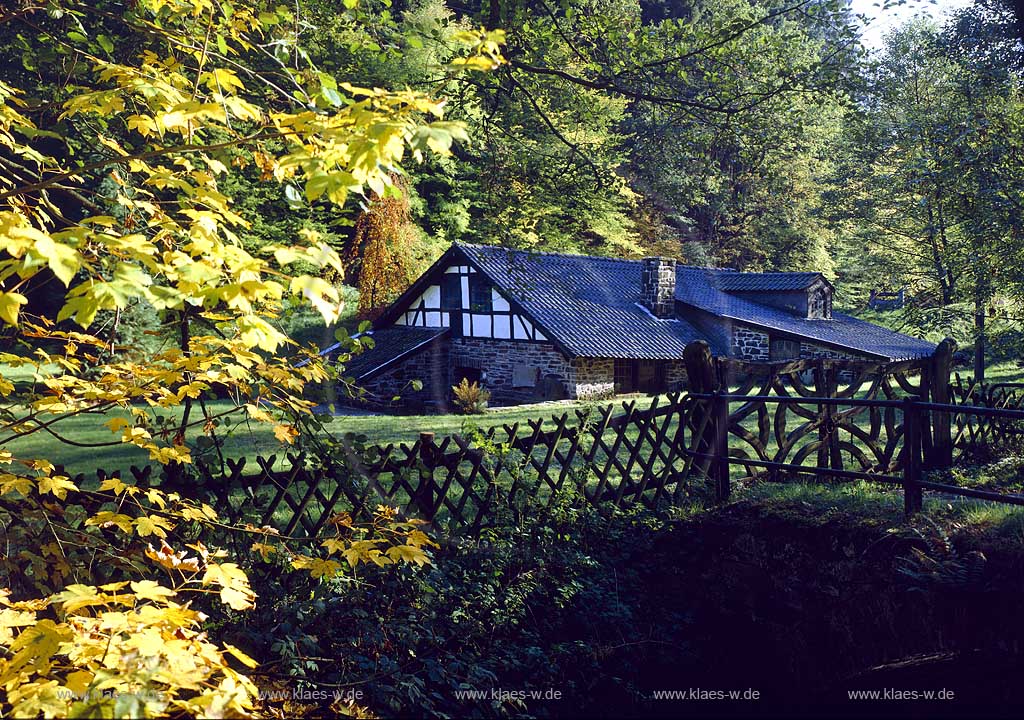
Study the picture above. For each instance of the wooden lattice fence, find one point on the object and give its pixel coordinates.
(618, 454)
(831, 418)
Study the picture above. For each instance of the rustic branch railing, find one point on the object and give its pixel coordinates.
(910, 459)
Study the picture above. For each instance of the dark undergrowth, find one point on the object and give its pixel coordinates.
(799, 593)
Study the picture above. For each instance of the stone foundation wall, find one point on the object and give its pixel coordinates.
(675, 375)
(594, 378)
(555, 376)
(812, 352)
(749, 344)
(754, 345)
(497, 359)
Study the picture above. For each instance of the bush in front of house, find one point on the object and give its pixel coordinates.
(470, 397)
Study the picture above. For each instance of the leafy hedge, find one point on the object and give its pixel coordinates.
(547, 604)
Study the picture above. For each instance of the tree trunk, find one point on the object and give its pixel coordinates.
(979, 333)
(943, 246)
(937, 264)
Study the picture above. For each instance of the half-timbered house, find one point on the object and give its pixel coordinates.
(532, 326)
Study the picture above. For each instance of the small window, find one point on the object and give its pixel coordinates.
(779, 349)
(479, 294)
(451, 292)
(819, 304)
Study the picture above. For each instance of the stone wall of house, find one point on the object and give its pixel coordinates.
(555, 375)
(429, 367)
(809, 351)
(749, 344)
(498, 359)
(675, 375)
(593, 379)
(754, 345)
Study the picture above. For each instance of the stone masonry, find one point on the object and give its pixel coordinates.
(593, 378)
(498, 360)
(812, 352)
(429, 367)
(754, 345)
(579, 378)
(658, 286)
(749, 344)
(675, 375)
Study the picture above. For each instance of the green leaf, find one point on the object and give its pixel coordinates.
(332, 96)
(106, 43)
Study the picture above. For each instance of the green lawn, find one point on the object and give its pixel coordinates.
(248, 439)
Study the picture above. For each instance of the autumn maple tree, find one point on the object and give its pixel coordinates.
(158, 101)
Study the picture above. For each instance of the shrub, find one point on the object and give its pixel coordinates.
(554, 600)
(470, 397)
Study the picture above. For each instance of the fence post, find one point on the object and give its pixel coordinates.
(714, 441)
(424, 499)
(912, 499)
(942, 440)
(700, 367)
(720, 420)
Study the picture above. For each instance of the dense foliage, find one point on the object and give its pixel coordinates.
(116, 128)
(194, 195)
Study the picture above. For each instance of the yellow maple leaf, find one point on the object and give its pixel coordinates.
(285, 433)
(118, 424)
(56, 484)
(152, 525)
(408, 554)
(148, 642)
(75, 597)
(115, 484)
(11, 483)
(149, 590)
(106, 518)
(242, 657)
(235, 591)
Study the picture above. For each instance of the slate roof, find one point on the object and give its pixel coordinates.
(591, 306)
(391, 344)
(702, 288)
(765, 282)
(588, 305)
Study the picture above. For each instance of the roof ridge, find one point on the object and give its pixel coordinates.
(549, 253)
(541, 252)
(779, 272)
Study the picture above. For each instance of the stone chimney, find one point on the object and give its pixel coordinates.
(658, 286)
